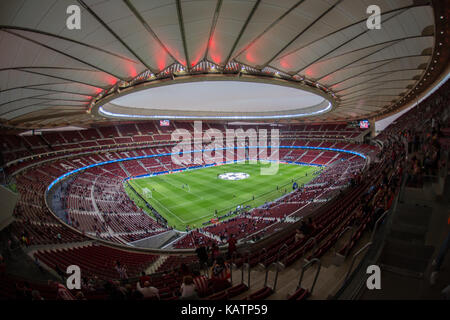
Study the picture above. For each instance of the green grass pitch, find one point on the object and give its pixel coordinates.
(204, 192)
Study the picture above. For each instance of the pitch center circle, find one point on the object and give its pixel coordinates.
(234, 176)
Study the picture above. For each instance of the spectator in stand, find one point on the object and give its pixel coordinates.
(62, 293)
(80, 296)
(188, 290)
(231, 246)
(202, 254)
(356, 219)
(144, 277)
(220, 273)
(298, 235)
(24, 240)
(2, 267)
(201, 283)
(305, 229)
(36, 296)
(128, 292)
(115, 291)
(136, 295)
(184, 270)
(60, 273)
(23, 292)
(214, 251)
(148, 291)
(312, 226)
(121, 269)
(38, 264)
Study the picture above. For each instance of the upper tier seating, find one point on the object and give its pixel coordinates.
(17, 147)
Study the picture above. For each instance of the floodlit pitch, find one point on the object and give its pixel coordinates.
(192, 197)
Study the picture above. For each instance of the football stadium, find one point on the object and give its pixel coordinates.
(224, 150)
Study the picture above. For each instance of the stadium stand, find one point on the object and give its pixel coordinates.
(349, 192)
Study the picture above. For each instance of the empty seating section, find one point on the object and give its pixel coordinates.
(108, 132)
(105, 142)
(53, 138)
(193, 239)
(111, 215)
(134, 168)
(123, 140)
(90, 134)
(174, 262)
(239, 227)
(147, 128)
(71, 136)
(128, 130)
(25, 146)
(97, 260)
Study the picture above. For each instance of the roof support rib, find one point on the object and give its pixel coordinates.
(213, 27)
(341, 45)
(385, 60)
(269, 27)
(49, 90)
(48, 34)
(349, 26)
(378, 75)
(31, 86)
(46, 67)
(247, 21)
(46, 117)
(25, 98)
(364, 94)
(371, 46)
(301, 33)
(359, 59)
(358, 74)
(20, 108)
(99, 20)
(65, 79)
(149, 29)
(183, 33)
(64, 54)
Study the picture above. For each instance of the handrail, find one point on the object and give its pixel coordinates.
(275, 280)
(245, 255)
(279, 264)
(283, 247)
(267, 274)
(366, 246)
(347, 288)
(375, 228)
(312, 239)
(340, 235)
(307, 266)
(248, 270)
(233, 265)
(263, 265)
(243, 266)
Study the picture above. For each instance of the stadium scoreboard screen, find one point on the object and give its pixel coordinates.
(164, 123)
(364, 124)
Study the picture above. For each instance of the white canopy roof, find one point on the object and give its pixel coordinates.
(49, 74)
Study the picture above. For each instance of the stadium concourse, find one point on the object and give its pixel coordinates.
(96, 223)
